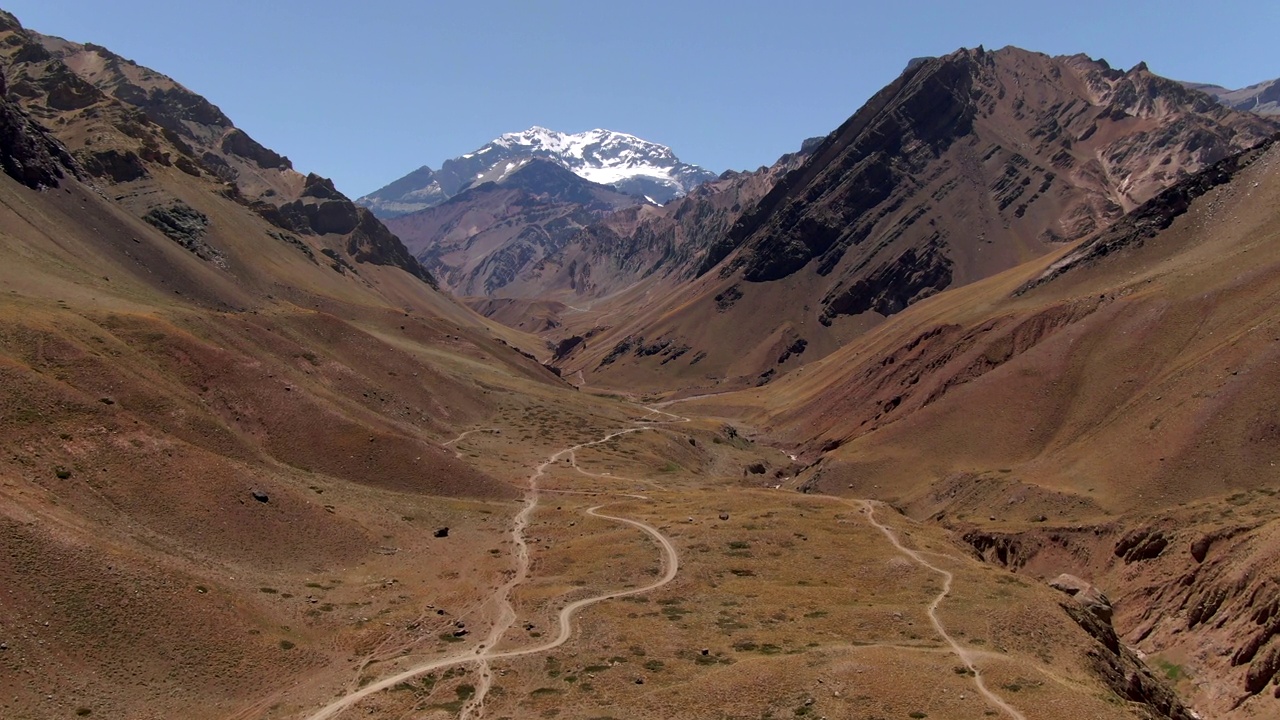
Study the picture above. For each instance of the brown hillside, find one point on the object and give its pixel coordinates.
(208, 417)
(1085, 412)
(963, 167)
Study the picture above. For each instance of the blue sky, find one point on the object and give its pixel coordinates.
(365, 92)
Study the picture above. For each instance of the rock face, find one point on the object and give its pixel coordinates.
(1123, 671)
(1022, 148)
(27, 153)
(1090, 597)
(625, 162)
(322, 210)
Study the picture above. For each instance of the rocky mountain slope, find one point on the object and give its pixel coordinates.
(1104, 411)
(481, 239)
(1262, 98)
(119, 119)
(964, 166)
(217, 375)
(629, 164)
(647, 245)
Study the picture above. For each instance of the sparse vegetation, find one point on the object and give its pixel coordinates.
(1171, 671)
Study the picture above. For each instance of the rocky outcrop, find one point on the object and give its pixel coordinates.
(114, 165)
(28, 154)
(186, 226)
(370, 241)
(1085, 593)
(323, 210)
(1123, 671)
(1152, 216)
(238, 142)
(1141, 544)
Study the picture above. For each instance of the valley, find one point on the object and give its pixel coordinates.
(966, 409)
(490, 656)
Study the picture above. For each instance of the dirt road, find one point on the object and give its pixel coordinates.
(483, 653)
(965, 655)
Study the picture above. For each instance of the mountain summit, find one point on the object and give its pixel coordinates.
(632, 165)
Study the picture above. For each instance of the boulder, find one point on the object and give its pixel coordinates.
(1200, 547)
(1262, 670)
(1085, 593)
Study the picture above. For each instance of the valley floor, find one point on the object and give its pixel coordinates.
(760, 602)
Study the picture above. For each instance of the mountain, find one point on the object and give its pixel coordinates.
(119, 118)
(633, 166)
(1104, 411)
(1262, 98)
(197, 402)
(647, 249)
(479, 241)
(964, 166)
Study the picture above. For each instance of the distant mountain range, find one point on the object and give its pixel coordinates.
(533, 228)
(1262, 98)
(631, 165)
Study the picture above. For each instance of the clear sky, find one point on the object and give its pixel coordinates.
(364, 92)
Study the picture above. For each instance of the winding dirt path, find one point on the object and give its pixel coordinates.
(447, 443)
(483, 653)
(966, 656)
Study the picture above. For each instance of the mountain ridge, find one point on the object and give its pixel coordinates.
(964, 166)
(1262, 98)
(630, 164)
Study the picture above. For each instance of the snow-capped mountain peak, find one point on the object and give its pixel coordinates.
(630, 164)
